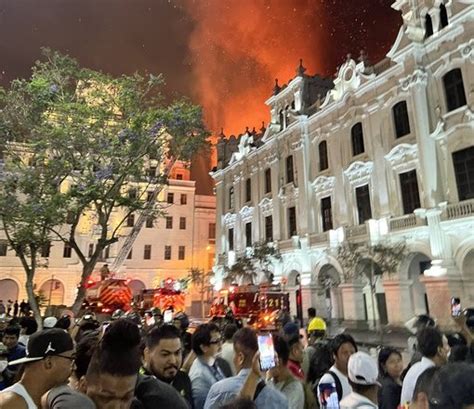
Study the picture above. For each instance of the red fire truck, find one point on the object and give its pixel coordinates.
(168, 296)
(108, 295)
(260, 304)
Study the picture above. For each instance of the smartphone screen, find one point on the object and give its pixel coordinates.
(456, 309)
(167, 316)
(328, 396)
(267, 352)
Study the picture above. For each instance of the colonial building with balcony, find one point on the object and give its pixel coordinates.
(382, 155)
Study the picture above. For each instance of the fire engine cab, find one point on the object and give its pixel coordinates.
(108, 295)
(260, 304)
(166, 297)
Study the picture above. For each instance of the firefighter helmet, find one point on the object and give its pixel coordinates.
(118, 314)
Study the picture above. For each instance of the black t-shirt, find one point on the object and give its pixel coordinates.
(182, 384)
(153, 393)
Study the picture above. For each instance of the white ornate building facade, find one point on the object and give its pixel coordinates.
(166, 247)
(383, 154)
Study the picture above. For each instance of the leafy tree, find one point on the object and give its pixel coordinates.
(201, 279)
(248, 267)
(92, 148)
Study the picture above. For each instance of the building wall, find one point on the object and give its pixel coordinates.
(199, 211)
(441, 230)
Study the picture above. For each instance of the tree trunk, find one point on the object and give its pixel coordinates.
(32, 299)
(81, 290)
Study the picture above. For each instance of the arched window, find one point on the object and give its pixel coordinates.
(428, 26)
(323, 155)
(454, 89)
(357, 137)
(401, 120)
(443, 16)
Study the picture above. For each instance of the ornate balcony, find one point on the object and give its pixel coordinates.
(459, 210)
(407, 221)
(353, 232)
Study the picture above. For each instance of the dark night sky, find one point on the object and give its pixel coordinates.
(224, 54)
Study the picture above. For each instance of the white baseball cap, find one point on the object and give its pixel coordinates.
(362, 369)
(49, 322)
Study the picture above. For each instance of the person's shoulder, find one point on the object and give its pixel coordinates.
(151, 390)
(182, 377)
(10, 400)
(326, 378)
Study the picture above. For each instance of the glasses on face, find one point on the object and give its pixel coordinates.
(215, 341)
(71, 358)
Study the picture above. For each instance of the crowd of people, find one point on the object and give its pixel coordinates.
(126, 363)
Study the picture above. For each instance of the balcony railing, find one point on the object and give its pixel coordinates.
(459, 210)
(356, 231)
(318, 239)
(286, 245)
(407, 221)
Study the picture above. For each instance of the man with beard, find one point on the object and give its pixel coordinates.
(163, 358)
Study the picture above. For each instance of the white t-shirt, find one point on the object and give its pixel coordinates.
(328, 378)
(411, 377)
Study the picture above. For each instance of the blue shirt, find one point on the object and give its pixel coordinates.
(202, 377)
(19, 351)
(227, 389)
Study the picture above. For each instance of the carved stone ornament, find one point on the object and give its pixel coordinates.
(359, 171)
(418, 78)
(229, 220)
(246, 214)
(403, 156)
(323, 185)
(288, 194)
(266, 206)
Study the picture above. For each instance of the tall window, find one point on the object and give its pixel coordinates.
(292, 228)
(107, 252)
(281, 118)
(130, 220)
(248, 234)
(454, 89)
(182, 223)
(357, 138)
(184, 199)
(169, 222)
(463, 161)
(3, 248)
(132, 194)
(401, 120)
(410, 194)
(181, 252)
(326, 213)
(248, 190)
(91, 250)
(323, 155)
(167, 253)
(443, 16)
(130, 254)
(231, 197)
(150, 221)
(268, 229)
(45, 250)
(428, 26)
(152, 171)
(212, 231)
(364, 210)
(290, 176)
(70, 217)
(231, 239)
(147, 252)
(268, 180)
(179, 176)
(67, 250)
(170, 198)
(149, 196)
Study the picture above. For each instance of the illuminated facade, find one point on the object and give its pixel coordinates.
(165, 247)
(381, 155)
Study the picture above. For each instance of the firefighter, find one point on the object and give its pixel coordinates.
(104, 272)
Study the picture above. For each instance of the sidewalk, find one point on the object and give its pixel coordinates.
(394, 337)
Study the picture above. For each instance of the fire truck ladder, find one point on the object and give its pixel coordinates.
(130, 239)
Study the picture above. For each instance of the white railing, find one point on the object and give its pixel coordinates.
(318, 238)
(459, 210)
(405, 222)
(356, 231)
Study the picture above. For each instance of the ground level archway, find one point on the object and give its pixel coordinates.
(9, 290)
(53, 292)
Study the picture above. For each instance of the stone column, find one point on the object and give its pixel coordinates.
(431, 181)
(353, 302)
(337, 306)
(399, 301)
(439, 291)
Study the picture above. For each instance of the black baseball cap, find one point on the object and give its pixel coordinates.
(48, 342)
